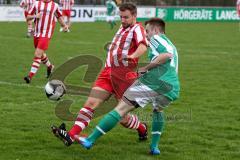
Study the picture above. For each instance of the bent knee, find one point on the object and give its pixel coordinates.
(124, 120)
(93, 103)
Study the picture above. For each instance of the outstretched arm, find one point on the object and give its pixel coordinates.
(161, 59)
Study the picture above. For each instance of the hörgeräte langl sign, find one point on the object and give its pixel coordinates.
(198, 14)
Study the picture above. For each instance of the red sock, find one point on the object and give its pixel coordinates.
(141, 128)
(83, 119)
(134, 123)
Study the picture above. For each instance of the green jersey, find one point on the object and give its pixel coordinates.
(111, 7)
(163, 78)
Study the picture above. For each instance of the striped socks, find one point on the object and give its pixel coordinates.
(45, 60)
(134, 123)
(35, 66)
(83, 119)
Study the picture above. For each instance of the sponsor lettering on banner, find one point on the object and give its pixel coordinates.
(227, 15)
(198, 14)
(82, 14)
(98, 13)
(202, 14)
(11, 14)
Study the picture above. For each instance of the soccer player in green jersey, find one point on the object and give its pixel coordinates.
(111, 9)
(159, 85)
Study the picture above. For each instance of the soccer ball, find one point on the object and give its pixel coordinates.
(55, 89)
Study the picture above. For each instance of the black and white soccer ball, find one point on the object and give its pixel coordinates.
(55, 89)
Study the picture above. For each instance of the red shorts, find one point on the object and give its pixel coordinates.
(114, 80)
(41, 42)
(25, 14)
(66, 13)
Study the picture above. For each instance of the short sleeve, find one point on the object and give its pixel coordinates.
(22, 3)
(32, 10)
(58, 13)
(158, 46)
(140, 35)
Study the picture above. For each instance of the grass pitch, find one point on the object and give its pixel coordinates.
(202, 124)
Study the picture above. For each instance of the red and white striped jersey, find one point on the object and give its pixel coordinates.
(125, 42)
(27, 4)
(66, 4)
(44, 26)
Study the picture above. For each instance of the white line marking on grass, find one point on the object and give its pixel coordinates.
(20, 85)
(28, 104)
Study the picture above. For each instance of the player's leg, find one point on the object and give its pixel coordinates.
(68, 22)
(96, 97)
(113, 20)
(35, 65)
(127, 104)
(98, 94)
(131, 121)
(50, 67)
(41, 45)
(157, 129)
(107, 123)
(120, 84)
(108, 19)
(159, 103)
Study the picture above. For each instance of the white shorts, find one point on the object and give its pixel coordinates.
(110, 18)
(138, 94)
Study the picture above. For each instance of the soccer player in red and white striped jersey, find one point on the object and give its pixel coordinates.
(66, 10)
(44, 13)
(26, 5)
(129, 42)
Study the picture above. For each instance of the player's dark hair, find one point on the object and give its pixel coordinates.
(156, 22)
(128, 6)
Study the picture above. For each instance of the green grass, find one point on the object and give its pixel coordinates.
(202, 124)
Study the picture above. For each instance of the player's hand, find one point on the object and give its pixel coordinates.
(141, 71)
(128, 58)
(65, 28)
(38, 15)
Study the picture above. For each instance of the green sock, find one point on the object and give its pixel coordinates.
(107, 123)
(157, 128)
(112, 25)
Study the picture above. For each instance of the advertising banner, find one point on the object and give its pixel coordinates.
(198, 14)
(11, 14)
(98, 13)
